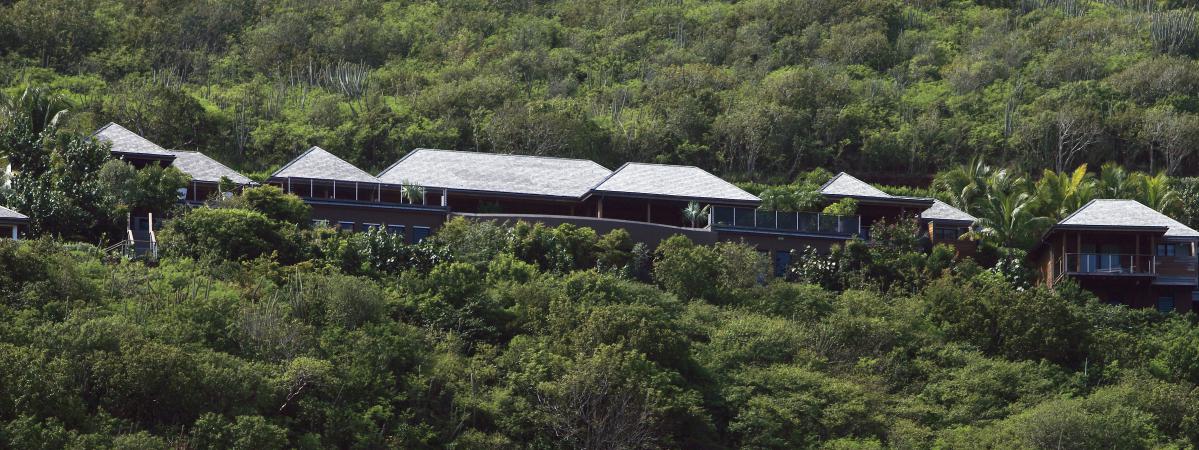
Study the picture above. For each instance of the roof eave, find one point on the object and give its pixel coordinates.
(713, 200)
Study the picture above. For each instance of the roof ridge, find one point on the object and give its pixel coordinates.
(1064, 219)
(515, 155)
(293, 160)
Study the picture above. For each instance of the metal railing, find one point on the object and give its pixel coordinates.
(1107, 264)
(797, 222)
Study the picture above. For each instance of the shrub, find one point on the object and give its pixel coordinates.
(714, 273)
(272, 202)
(228, 234)
(843, 207)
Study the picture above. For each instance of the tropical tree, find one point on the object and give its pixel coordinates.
(695, 213)
(415, 194)
(1007, 212)
(1115, 182)
(1060, 193)
(56, 179)
(1155, 192)
(963, 184)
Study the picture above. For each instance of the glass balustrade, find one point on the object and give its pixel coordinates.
(785, 221)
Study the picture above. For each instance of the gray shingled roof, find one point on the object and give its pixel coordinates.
(1125, 213)
(318, 164)
(943, 211)
(491, 172)
(203, 168)
(683, 182)
(125, 141)
(8, 215)
(846, 185)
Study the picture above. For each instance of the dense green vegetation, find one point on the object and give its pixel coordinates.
(758, 90)
(257, 331)
(492, 336)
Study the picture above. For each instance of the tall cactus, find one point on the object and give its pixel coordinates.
(1173, 31)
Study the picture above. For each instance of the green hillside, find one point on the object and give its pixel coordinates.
(255, 329)
(756, 90)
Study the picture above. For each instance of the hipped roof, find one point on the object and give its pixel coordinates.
(492, 172)
(319, 164)
(675, 182)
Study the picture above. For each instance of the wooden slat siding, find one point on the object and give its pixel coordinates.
(1177, 266)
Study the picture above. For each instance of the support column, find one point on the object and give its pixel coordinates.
(599, 210)
(14, 232)
(311, 190)
(445, 198)
(355, 191)
(1078, 250)
(649, 212)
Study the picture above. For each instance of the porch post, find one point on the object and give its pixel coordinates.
(1153, 259)
(648, 212)
(599, 211)
(14, 232)
(1078, 264)
(445, 197)
(310, 188)
(355, 191)
(335, 189)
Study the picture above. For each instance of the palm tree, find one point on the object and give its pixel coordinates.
(1155, 192)
(25, 119)
(694, 213)
(964, 183)
(1060, 193)
(413, 192)
(1008, 218)
(1115, 182)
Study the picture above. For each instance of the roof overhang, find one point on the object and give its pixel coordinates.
(522, 195)
(1109, 228)
(965, 223)
(679, 198)
(144, 156)
(890, 201)
(323, 180)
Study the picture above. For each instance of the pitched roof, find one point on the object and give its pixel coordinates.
(846, 185)
(1118, 213)
(319, 164)
(683, 182)
(943, 211)
(203, 168)
(125, 141)
(9, 215)
(492, 172)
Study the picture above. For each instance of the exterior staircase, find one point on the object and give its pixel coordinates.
(141, 240)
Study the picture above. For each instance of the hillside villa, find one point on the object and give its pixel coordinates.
(1119, 249)
(1124, 252)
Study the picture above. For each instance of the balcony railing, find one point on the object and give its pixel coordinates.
(781, 221)
(1107, 264)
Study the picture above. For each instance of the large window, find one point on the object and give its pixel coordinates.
(1173, 250)
(420, 233)
(1165, 304)
(947, 233)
